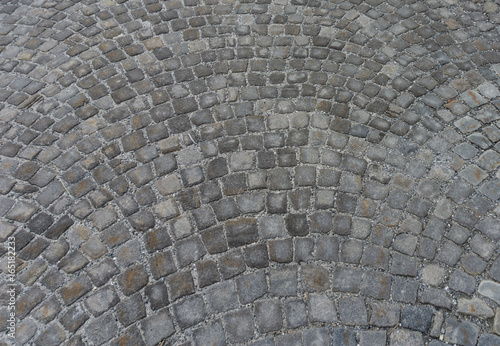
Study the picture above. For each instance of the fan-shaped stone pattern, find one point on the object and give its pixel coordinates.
(260, 172)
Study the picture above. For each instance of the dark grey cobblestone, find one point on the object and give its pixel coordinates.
(222, 172)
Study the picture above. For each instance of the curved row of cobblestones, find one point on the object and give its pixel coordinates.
(268, 172)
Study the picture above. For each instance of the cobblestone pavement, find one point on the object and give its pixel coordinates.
(268, 172)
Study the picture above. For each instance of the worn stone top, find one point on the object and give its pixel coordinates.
(268, 172)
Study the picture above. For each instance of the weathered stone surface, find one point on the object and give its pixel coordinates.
(102, 300)
(241, 232)
(460, 332)
(75, 289)
(157, 327)
(132, 279)
(402, 337)
(131, 309)
(315, 278)
(490, 289)
(250, 172)
(474, 307)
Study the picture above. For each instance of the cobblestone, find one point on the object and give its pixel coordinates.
(455, 331)
(225, 172)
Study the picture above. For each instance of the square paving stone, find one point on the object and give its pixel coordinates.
(473, 264)
(140, 176)
(115, 235)
(130, 309)
(29, 300)
(239, 325)
(251, 203)
(473, 174)
(321, 309)
(353, 311)
(473, 98)
(102, 300)
(462, 282)
(404, 290)
(102, 329)
(436, 297)
(256, 256)
(157, 295)
(168, 185)
(482, 246)
(466, 217)
(100, 273)
(417, 318)
(449, 253)
(346, 279)
(279, 179)
(294, 339)
(207, 273)
(376, 285)
(303, 249)
(460, 332)
(128, 253)
(157, 327)
(316, 336)
(21, 212)
(384, 314)
(234, 184)
(189, 250)
(231, 264)
(211, 334)
(189, 312)
(268, 316)
(131, 336)
(33, 249)
(402, 337)
(221, 297)
(459, 191)
(372, 337)
(489, 160)
(75, 289)
(490, 227)
(404, 265)
(376, 256)
(271, 226)
(133, 279)
(214, 240)
(53, 335)
(103, 218)
(281, 250)
(251, 286)
(283, 281)
(157, 239)
(74, 318)
(180, 284)
(241, 232)
(488, 339)
(491, 189)
(204, 217)
(314, 278)
(296, 224)
(226, 209)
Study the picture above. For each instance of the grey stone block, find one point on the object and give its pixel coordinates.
(321, 309)
(221, 297)
(283, 281)
(102, 300)
(189, 311)
(353, 311)
(211, 334)
(130, 309)
(239, 325)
